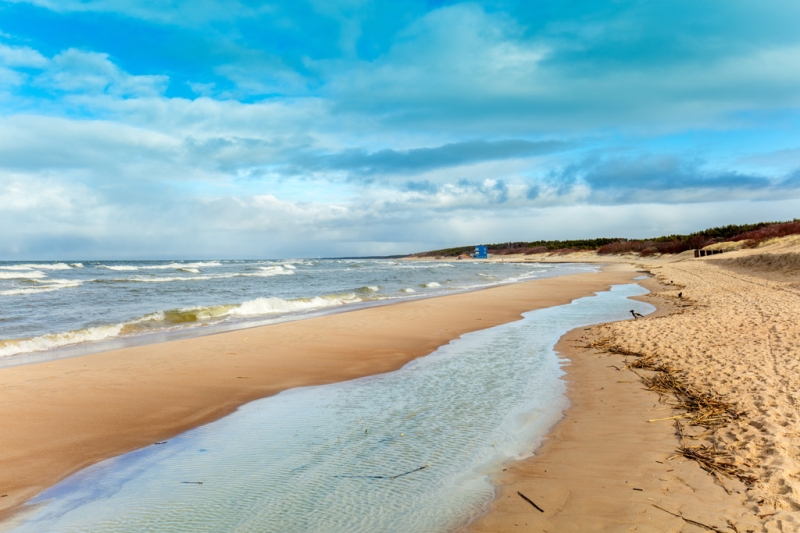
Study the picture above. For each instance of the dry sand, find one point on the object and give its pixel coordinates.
(734, 334)
(61, 416)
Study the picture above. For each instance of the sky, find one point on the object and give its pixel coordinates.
(157, 129)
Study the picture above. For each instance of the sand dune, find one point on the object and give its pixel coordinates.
(773, 265)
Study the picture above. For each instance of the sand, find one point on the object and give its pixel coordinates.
(61, 416)
(733, 333)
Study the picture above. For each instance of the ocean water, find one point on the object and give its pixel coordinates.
(51, 309)
(404, 451)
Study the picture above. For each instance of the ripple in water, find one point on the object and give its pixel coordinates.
(323, 458)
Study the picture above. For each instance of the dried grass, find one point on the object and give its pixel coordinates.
(716, 463)
(700, 408)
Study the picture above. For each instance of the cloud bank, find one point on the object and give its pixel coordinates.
(229, 129)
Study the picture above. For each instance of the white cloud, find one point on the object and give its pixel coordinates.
(36, 143)
(181, 12)
(21, 56)
(159, 176)
(461, 68)
(455, 53)
(90, 73)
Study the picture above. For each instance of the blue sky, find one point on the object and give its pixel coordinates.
(242, 128)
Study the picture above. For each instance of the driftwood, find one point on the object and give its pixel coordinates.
(388, 477)
(530, 502)
(690, 521)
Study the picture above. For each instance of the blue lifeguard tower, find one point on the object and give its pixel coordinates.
(481, 252)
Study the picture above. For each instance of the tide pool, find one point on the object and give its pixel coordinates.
(404, 451)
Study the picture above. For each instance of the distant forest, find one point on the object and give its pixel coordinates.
(753, 234)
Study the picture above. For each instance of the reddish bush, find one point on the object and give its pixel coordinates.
(535, 250)
(625, 247)
(650, 250)
(564, 251)
(769, 232)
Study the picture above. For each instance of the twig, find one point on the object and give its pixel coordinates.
(669, 418)
(530, 501)
(689, 520)
(390, 477)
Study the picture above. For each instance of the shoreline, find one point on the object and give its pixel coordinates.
(101, 405)
(602, 467)
(158, 337)
(621, 458)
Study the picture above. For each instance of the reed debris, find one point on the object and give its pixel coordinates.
(605, 345)
(702, 409)
(716, 463)
(699, 408)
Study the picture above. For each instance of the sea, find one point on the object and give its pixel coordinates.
(60, 309)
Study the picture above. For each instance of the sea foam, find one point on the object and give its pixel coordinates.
(37, 266)
(56, 340)
(30, 274)
(268, 306)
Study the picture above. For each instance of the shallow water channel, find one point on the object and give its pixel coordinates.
(346, 457)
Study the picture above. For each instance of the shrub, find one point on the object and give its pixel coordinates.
(769, 232)
(535, 250)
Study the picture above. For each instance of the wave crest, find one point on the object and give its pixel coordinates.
(169, 266)
(57, 340)
(37, 266)
(35, 274)
(172, 319)
(270, 306)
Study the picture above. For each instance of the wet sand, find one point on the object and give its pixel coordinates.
(61, 416)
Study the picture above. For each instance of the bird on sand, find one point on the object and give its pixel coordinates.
(636, 315)
(680, 295)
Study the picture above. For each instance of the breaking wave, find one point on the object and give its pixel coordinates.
(49, 285)
(271, 271)
(35, 274)
(56, 340)
(269, 306)
(173, 319)
(368, 289)
(264, 272)
(167, 279)
(170, 266)
(37, 266)
(418, 266)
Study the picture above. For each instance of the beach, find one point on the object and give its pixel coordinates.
(724, 325)
(614, 463)
(101, 405)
